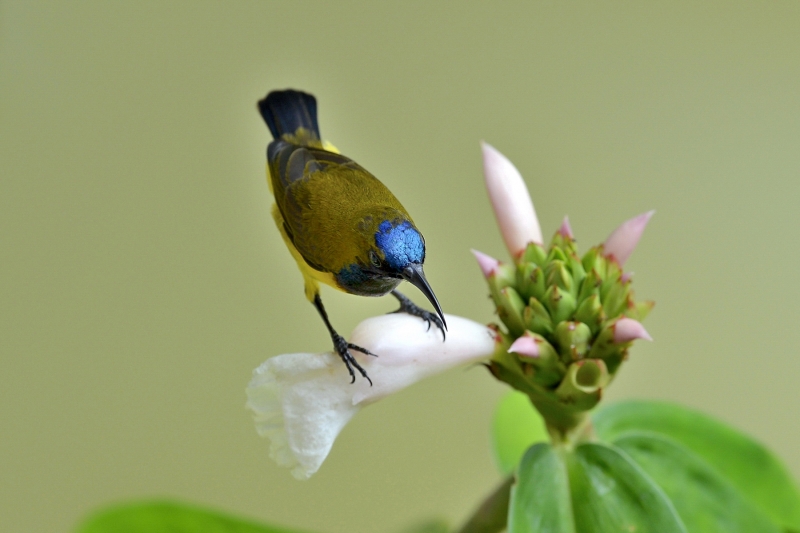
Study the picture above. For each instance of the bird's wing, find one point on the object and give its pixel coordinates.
(292, 168)
(291, 162)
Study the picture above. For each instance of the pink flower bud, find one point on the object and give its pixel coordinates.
(511, 202)
(623, 240)
(525, 346)
(566, 230)
(487, 263)
(628, 329)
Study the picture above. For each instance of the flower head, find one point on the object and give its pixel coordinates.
(301, 401)
(568, 320)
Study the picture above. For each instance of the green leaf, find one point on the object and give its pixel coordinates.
(515, 428)
(169, 517)
(705, 501)
(540, 501)
(595, 488)
(611, 493)
(750, 467)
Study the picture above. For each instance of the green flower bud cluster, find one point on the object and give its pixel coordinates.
(564, 311)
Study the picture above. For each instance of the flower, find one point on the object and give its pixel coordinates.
(568, 320)
(301, 401)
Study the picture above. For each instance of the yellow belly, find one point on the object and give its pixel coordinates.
(311, 277)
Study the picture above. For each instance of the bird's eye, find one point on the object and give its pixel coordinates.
(373, 258)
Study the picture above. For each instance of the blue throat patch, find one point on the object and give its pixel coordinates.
(401, 244)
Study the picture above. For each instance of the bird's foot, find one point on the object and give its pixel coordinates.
(343, 348)
(409, 307)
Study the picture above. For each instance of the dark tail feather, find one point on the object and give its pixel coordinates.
(285, 111)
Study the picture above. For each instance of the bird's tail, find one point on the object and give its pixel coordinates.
(287, 111)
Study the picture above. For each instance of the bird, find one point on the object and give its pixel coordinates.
(344, 228)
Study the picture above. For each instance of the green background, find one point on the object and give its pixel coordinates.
(142, 278)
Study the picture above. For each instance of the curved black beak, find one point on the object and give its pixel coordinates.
(414, 275)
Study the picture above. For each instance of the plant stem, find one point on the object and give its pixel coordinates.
(570, 437)
(492, 515)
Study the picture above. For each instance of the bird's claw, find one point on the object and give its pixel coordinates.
(343, 348)
(409, 307)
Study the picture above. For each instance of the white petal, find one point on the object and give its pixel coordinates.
(511, 202)
(408, 351)
(302, 401)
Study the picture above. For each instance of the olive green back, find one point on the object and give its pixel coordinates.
(331, 206)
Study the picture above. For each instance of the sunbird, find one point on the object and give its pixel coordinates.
(343, 227)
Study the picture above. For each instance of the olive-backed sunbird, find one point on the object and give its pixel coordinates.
(343, 226)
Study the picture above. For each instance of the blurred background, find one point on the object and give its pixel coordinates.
(142, 278)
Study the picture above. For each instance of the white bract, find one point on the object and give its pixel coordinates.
(301, 401)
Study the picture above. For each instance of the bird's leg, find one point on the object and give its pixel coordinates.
(407, 306)
(341, 345)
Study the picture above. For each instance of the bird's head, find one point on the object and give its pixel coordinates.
(392, 250)
(399, 252)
